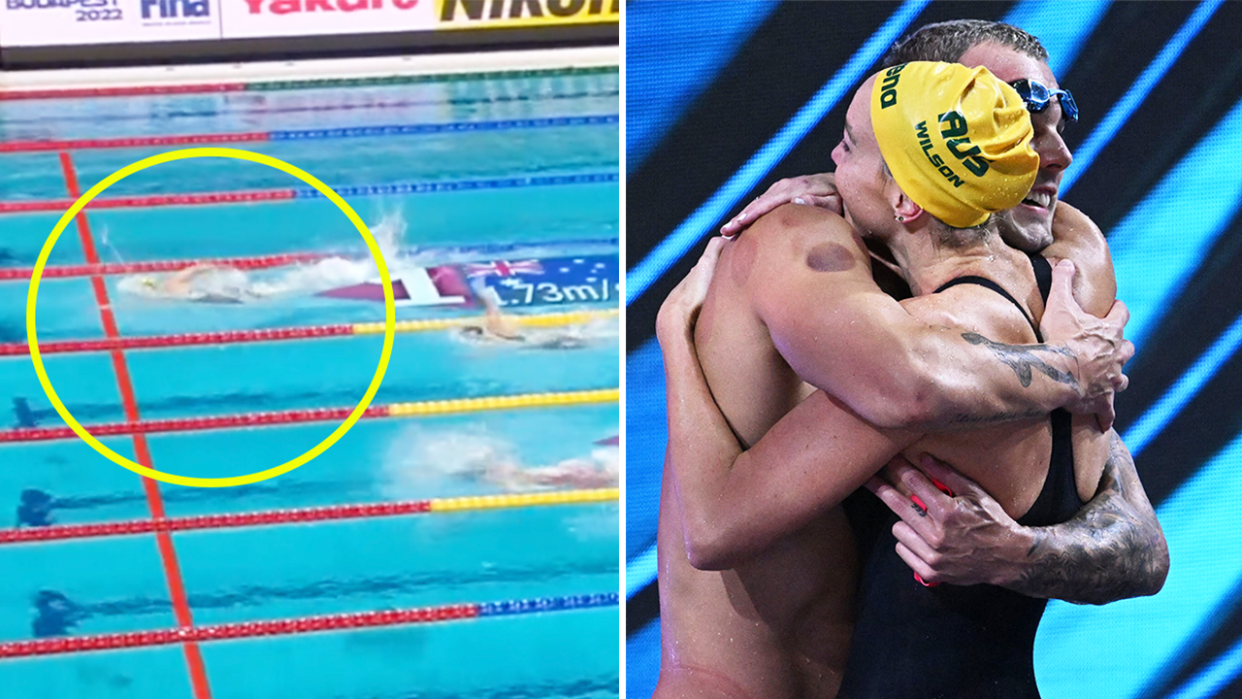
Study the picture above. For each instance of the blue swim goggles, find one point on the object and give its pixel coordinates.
(1037, 97)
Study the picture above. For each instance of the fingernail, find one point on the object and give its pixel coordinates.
(799, 200)
(922, 582)
(918, 501)
(943, 488)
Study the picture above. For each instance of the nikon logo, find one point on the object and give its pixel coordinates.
(517, 9)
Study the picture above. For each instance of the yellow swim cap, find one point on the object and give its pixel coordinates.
(957, 139)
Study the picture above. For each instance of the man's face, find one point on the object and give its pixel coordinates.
(860, 177)
(1028, 226)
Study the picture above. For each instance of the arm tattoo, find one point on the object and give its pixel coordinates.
(967, 419)
(1112, 549)
(1021, 358)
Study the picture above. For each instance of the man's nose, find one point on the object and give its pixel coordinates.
(1053, 153)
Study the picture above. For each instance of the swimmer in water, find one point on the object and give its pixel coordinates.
(600, 470)
(496, 327)
(201, 283)
(35, 509)
(55, 614)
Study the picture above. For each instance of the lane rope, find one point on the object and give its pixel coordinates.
(307, 134)
(266, 195)
(303, 625)
(259, 262)
(230, 337)
(63, 532)
(334, 106)
(291, 417)
(310, 83)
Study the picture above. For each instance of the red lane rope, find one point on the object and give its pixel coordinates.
(113, 268)
(152, 200)
(155, 502)
(14, 95)
(132, 142)
(191, 424)
(327, 513)
(250, 629)
(224, 337)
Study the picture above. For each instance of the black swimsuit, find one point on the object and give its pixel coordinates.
(951, 642)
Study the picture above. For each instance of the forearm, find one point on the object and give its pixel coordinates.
(701, 446)
(1112, 549)
(960, 380)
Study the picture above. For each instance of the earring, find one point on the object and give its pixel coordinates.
(902, 219)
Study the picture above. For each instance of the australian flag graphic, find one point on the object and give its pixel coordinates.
(552, 281)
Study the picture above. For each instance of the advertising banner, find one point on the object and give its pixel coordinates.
(72, 22)
(245, 19)
(496, 14)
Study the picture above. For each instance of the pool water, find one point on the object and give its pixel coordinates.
(290, 571)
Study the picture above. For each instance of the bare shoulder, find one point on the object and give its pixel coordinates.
(1074, 234)
(808, 237)
(1077, 238)
(794, 258)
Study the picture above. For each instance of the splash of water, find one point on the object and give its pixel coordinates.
(321, 275)
(422, 463)
(106, 242)
(334, 272)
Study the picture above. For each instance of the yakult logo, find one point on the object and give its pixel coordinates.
(285, 7)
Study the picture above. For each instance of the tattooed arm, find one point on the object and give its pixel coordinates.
(1112, 549)
(808, 279)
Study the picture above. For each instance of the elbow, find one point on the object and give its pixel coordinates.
(1159, 569)
(707, 558)
(1154, 560)
(908, 402)
(707, 549)
(1146, 567)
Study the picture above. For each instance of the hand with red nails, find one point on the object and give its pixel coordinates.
(812, 190)
(962, 536)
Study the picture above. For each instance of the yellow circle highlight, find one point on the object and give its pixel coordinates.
(184, 154)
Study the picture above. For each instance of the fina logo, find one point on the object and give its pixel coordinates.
(172, 9)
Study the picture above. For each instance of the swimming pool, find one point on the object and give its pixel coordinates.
(510, 179)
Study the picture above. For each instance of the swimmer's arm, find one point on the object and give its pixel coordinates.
(1112, 549)
(840, 333)
(192, 271)
(179, 282)
(736, 503)
(493, 319)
